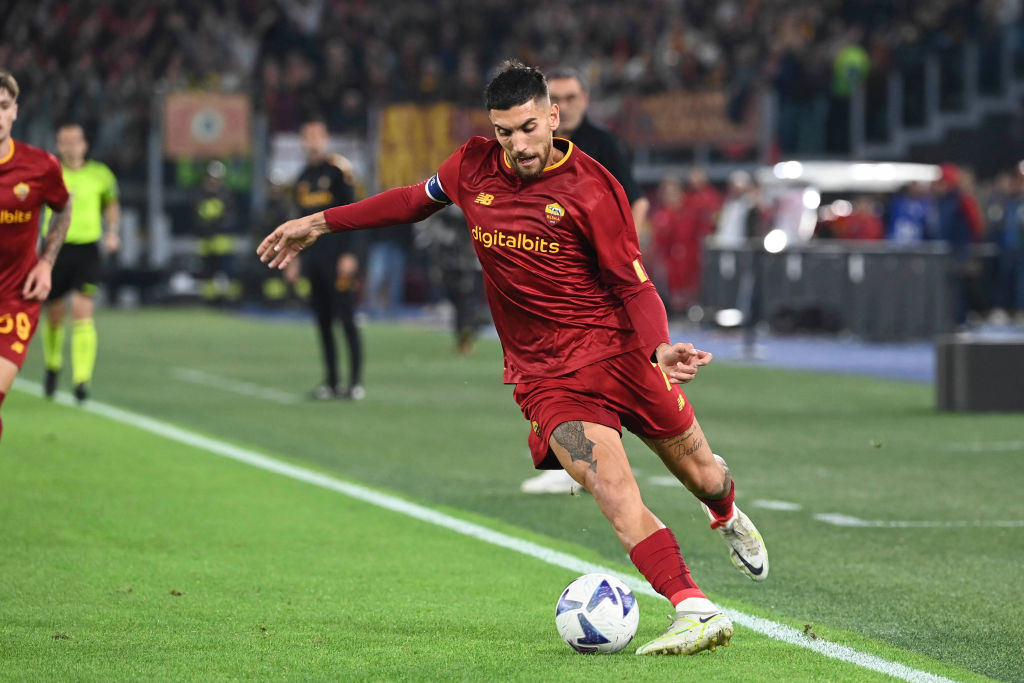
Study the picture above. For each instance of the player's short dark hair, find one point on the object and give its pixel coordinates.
(8, 83)
(72, 123)
(313, 118)
(69, 124)
(569, 72)
(514, 84)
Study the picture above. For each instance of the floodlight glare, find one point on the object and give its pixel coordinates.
(775, 241)
(812, 199)
(788, 170)
(729, 317)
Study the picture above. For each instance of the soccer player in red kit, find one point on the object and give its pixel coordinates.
(29, 178)
(584, 333)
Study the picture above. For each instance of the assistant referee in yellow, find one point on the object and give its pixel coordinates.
(94, 221)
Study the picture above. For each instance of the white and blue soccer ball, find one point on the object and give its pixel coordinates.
(597, 613)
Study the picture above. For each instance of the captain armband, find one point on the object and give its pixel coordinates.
(435, 191)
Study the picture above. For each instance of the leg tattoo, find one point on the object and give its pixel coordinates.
(571, 437)
(677, 445)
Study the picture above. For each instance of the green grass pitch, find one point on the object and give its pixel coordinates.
(128, 555)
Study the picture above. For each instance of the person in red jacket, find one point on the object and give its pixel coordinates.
(678, 240)
(959, 225)
(863, 223)
(584, 333)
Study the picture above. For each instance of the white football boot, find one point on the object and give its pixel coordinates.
(746, 547)
(698, 626)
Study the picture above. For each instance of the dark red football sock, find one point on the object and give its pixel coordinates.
(659, 560)
(721, 508)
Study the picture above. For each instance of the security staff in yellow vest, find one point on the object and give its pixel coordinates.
(212, 214)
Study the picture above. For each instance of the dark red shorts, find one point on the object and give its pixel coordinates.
(623, 391)
(18, 319)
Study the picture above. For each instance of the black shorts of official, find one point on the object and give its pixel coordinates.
(77, 269)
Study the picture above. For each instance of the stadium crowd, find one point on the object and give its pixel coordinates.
(100, 61)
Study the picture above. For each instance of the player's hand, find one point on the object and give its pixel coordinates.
(281, 246)
(37, 284)
(680, 362)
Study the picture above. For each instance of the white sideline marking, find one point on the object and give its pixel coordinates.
(783, 505)
(984, 446)
(774, 630)
(837, 519)
(234, 386)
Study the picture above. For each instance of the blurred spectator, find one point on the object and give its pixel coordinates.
(569, 90)
(786, 67)
(958, 216)
(348, 115)
(261, 283)
(863, 223)
(786, 213)
(456, 270)
(385, 271)
(703, 200)
(740, 217)
(1005, 217)
(958, 224)
(799, 70)
(214, 218)
(849, 72)
(859, 220)
(911, 215)
(679, 231)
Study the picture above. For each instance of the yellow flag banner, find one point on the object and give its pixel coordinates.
(202, 124)
(414, 140)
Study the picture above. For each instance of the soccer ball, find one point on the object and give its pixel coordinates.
(597, 613)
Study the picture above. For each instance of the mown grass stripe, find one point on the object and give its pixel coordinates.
(557, 558)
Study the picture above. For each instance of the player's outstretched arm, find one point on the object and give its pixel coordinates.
(681, 361)
(396, 206)
(282, 245)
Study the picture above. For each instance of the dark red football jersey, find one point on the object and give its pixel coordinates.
(29, 178)
(559, 252)
(546, 246)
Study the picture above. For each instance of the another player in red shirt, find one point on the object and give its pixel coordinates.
(584, 332)
(29, 178)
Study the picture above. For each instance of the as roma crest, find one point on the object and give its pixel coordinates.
(21, 191)
(554, 212)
